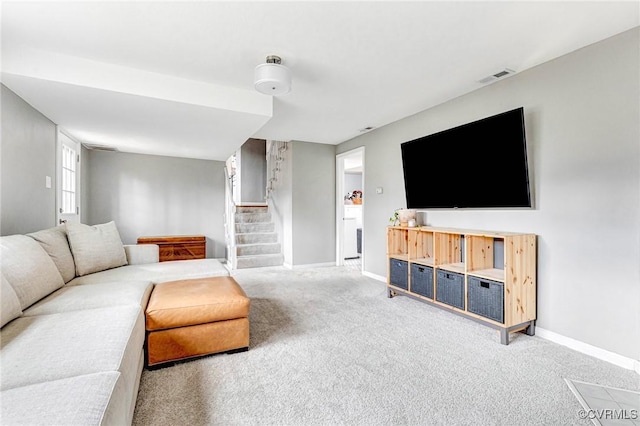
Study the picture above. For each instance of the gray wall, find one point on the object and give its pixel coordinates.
(582, 122)
(28, 155)
(303, 204)
(149, 195)
(253, 169)
(314, 205)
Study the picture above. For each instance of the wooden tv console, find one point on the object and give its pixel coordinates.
(487, 276)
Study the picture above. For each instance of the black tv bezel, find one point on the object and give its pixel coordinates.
(484, 206)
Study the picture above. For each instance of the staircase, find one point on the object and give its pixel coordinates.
(256, 240)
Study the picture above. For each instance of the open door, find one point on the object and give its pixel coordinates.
(67, 180)
(350, 205)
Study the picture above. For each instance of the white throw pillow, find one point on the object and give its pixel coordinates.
(9, 303)
(54, 242)
(95, 248)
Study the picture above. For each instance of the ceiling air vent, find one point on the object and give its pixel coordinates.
(501, 74)
(97, 147)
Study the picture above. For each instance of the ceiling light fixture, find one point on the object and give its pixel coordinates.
(273, 78)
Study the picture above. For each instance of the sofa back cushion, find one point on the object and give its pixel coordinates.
(9, 303)
(28, 268)
(95, 248)
(54, 242)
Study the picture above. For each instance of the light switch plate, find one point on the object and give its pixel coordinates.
(379, 190)
(47, 181)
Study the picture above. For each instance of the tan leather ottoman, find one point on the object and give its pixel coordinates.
(195, 317)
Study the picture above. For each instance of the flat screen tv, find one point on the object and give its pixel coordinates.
(482, 164)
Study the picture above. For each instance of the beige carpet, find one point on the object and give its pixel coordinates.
(329, 348)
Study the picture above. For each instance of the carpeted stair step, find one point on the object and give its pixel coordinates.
(247, 228)
(252, 217)
(259, 261)
(256, 249)
(256, 237)
(256, 240)
(251, 209)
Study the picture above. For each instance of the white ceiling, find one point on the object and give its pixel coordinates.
(176, 78)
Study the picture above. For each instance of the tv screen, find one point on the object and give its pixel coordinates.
(482, 164)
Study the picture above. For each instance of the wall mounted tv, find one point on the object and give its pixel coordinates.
(482, 164)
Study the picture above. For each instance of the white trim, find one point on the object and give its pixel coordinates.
(580, 399)
(256, 269)
(252, 204)
(585, 348)
(309, 265)
(339, 207)
(374, 276)
(71, 142)
(340, 202)
(226, 265)
(364, 187)
(237, 187)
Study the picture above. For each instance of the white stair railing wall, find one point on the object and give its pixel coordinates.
(275, 157)
(229, 220)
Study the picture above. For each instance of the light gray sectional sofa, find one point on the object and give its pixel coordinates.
(73, 326)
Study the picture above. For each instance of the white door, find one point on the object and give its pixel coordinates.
(68, 180)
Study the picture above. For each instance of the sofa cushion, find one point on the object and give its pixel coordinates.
(142, 253)
(79, 297)
(158, 272)
(54, 242)
(28, 268)
(57, 346)
(10, 305)
(95, 248)
(90, 399)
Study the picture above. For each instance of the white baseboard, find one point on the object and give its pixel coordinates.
(585, 348)
(309, 265)
(250, 204)
(374, 276)
(256, 269)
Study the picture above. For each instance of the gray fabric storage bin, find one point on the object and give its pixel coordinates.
(485, 298)
(399, 273)
(450, 288)
(422, 280)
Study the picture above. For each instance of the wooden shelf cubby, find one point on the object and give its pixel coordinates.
(487, 276)
(397, 243)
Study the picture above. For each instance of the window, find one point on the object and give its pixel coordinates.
(69, 162)
(68, 168)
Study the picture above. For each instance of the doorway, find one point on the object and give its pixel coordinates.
(350, 205)
(67, 179)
